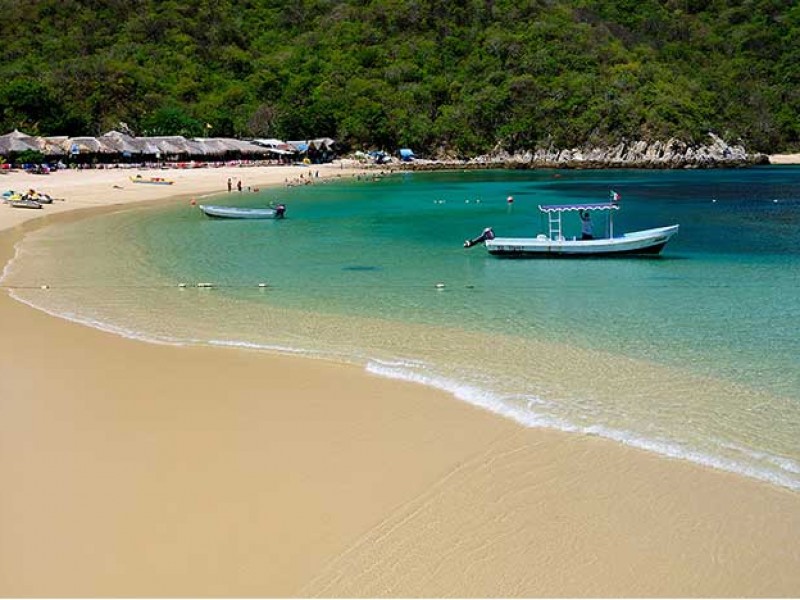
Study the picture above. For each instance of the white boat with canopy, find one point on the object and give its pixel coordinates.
(648, 242)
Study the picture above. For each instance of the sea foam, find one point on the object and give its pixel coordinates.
(509, 407)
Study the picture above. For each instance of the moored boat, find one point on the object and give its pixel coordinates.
(235, 212)
(648, 242)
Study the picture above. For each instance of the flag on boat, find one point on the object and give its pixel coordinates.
(615, 197)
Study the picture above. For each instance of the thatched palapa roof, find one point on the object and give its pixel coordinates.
(117, 143)
(16, 141)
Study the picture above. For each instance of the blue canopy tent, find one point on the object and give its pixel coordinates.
(406, 154)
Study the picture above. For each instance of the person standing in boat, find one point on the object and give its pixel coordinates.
(586, 225)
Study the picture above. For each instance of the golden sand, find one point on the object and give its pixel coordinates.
(133, 469)
(784, 159)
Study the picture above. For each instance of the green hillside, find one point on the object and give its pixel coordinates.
(453, 75)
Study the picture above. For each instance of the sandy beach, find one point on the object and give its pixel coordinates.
(784, 159)
(136, 469)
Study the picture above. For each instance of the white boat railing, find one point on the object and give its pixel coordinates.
(554, 212)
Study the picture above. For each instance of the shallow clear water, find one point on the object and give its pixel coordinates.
(694, 354)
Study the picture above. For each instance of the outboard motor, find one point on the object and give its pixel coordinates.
(280, 211)
(486, 234)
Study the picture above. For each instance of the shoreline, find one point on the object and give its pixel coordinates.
(105, 452)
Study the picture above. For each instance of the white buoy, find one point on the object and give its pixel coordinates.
(775, 201)
(713, 200)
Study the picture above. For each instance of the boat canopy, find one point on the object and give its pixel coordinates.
(558, 208)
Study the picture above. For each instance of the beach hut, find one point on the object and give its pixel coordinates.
(53, 145)
(16, 142)
(246, 148)
(124, 144)
(89, 145)
(169, 146)
(318, 150)
(274, 146)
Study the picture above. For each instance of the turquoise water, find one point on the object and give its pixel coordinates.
(694, 354)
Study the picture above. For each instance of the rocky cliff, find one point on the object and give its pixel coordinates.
(672, 154)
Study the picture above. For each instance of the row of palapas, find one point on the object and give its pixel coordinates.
(115, 144)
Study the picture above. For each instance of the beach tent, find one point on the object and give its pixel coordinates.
(406, 154)
(379, 156)
(299, 146)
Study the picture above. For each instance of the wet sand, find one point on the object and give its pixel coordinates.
(134, 469)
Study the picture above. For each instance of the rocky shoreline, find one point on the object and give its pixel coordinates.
(672, 154)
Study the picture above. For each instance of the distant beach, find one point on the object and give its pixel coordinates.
(784, 159)
(138, 469)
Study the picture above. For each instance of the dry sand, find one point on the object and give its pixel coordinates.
(132, 469)
(784, 159)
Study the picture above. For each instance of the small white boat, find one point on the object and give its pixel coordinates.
(234, 212)
(648, 242)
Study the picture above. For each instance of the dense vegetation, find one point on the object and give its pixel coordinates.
(453, 75)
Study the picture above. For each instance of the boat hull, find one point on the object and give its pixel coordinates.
(649, 242)
(232, 212)
(24, 204)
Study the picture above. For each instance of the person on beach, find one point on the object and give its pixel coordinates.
(230, 185)
(586, 225)
(239, 185)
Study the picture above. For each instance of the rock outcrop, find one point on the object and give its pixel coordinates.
(671, 154)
